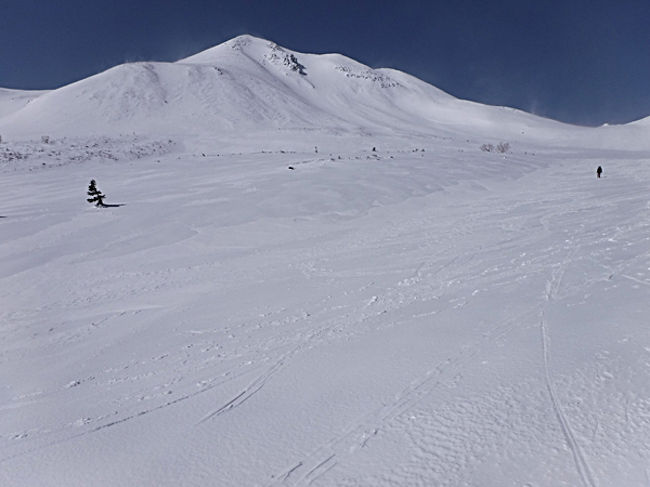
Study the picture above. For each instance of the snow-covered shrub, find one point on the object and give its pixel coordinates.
(501, 147)
(9, 155)
(45, 139)
(31, 154)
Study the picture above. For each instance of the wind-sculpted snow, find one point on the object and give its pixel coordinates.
(394, 310)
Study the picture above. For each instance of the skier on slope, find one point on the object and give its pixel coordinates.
(599, 171)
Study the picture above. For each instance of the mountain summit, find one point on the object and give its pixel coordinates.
(248, 83)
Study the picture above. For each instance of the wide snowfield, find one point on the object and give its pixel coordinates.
(446, 317)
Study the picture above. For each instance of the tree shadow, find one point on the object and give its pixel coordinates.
(108, 205)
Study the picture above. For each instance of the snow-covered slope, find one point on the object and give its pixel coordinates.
(321, 281)
(253, 84)
(13, 100)
(439, 316)
(249, 85)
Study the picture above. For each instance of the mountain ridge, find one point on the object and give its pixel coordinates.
(242, 84)
(248, 84)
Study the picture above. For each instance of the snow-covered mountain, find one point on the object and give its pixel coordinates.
(320, 275)
(249, 83)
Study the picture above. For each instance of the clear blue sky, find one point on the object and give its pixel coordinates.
(580, 61)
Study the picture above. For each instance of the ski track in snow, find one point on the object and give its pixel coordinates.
(552, 288)
(212, 325)
(246, 393)
(324, 458)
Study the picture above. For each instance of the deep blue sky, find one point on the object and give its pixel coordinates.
(580, 61)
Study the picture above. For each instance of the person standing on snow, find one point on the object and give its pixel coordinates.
(599, 171)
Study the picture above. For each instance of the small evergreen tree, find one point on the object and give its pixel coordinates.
(96, 195)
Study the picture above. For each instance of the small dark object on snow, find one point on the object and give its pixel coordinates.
(374, 149)
(599, 171)
(291, 167)
(96, 195)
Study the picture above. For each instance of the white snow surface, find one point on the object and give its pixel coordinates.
(278, 304)
(13, 100)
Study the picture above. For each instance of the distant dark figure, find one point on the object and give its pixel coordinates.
(374, 149)
(599, 171)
